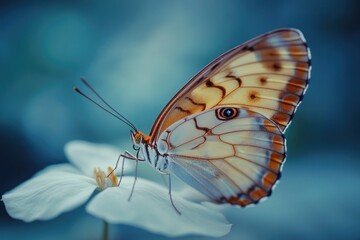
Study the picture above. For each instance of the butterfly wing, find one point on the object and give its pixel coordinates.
(268, 74)
(235, 160)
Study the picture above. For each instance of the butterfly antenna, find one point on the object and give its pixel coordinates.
(115, 113)
(86, 83)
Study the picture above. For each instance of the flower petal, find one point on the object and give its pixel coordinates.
(88, 156)
(52, 191)
(150, 208)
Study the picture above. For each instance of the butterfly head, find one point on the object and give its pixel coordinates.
(139, 138)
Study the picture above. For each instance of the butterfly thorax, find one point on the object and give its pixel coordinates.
(150, 152)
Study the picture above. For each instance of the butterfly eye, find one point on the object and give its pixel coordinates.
(138, 137)
(226, 113)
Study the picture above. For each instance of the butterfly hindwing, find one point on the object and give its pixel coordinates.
(268, 74)
(234, 159)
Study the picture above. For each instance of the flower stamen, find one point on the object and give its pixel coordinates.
(112, 177)
(104, 181)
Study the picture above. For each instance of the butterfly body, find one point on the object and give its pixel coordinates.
(223, 132)
(150, 153)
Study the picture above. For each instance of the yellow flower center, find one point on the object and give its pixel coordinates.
(105, 180)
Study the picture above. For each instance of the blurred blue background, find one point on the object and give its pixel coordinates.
(137, 54)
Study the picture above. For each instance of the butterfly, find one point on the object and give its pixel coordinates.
(223, 132)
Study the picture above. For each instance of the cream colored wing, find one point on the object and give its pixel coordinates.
(268, 74)
(229, 154)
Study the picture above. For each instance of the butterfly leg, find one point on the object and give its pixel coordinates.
(171, 199)
(116, 165)
(122, 167)
(133, 186)
(130, 156)
(164, 180)
(127, 155)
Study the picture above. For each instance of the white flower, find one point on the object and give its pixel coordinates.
(64, 187)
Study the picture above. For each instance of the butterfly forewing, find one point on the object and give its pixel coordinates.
(235, 160)
(268, 74)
